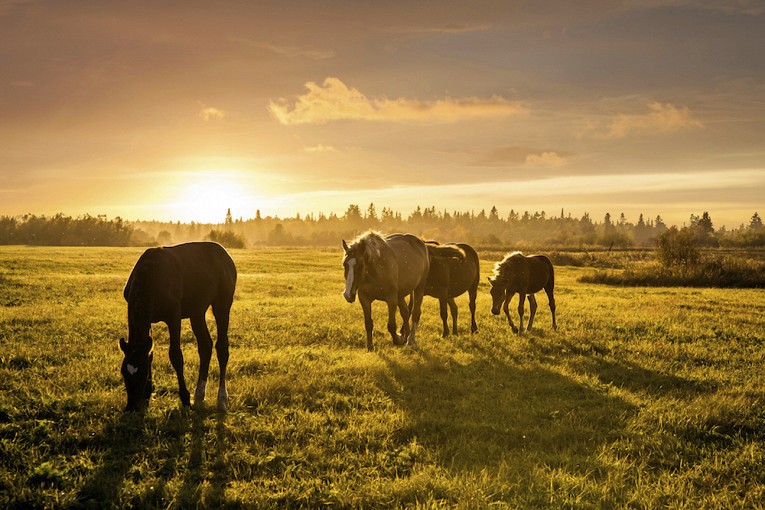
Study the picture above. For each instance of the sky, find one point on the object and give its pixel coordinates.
(178, 110)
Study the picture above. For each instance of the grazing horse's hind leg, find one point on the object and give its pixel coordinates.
(442, 310)
(454, 311)
(204, 346)
(222, 313)
(406, 312)
(532, 310)
(551, 299)
(416, 311)
(473, 293)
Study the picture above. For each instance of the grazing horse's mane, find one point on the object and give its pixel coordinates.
(501, 267)
(373, 242)
(445, 250)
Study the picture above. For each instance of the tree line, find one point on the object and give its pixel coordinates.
(483, 229)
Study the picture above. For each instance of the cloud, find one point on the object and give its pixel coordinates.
(662, 118)
(545, 159)
(320, 148)
(287, 50)
(333, 100)
(209, 113)
(750, 7)
(528, 156)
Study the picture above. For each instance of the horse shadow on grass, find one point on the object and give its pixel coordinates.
(183, 435)
(486, 412)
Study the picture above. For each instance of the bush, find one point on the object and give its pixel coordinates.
(227, 238)
(677, 249)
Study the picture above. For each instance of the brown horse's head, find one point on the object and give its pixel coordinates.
(497, 294)
(136, 372)
(353, 264)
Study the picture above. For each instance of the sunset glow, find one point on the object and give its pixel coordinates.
(172, 112)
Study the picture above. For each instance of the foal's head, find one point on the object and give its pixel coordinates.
(498, 290)
(136, 371)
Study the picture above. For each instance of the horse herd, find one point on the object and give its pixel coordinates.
(173, 283)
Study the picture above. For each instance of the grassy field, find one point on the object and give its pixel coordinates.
(644, 397)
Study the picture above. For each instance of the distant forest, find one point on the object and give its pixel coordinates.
(482, 229)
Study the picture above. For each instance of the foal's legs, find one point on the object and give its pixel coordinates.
(521, 302)
(453, 310)
(222, 313)
(204, 346)
(533, 310)
(506, 309)
(176, 358)
(551, 299)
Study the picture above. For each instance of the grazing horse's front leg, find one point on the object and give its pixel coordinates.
(366, 307)
(444, 315)
(204, 346)
(506, 309)
(416, 311)
(176, 358)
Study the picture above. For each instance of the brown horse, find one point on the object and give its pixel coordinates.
(387, 269)
(167, 285)
(526, 276)
(454, 270)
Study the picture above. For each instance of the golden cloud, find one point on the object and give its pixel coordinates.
(545, 159)
(333, 100)
(209, 113)
(662, 118)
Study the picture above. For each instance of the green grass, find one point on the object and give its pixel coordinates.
(644, 397)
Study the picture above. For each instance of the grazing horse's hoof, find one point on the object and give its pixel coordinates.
(515, 329)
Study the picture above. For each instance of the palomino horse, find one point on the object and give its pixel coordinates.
(387, 269)
(167, 285)
(454, 270)
(524, 275)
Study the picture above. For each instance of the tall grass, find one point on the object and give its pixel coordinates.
(643, 398)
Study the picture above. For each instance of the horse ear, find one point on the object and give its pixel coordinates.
(123, 345)
(345, 246)
(491, 280)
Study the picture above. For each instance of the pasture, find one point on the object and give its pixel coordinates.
(643, 398)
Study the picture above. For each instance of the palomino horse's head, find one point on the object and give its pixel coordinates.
(136, 371)
(497, 294)
(353, 264)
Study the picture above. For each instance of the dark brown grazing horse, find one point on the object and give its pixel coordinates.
(454, 270)
(524, 275)
(387, 269)
(167, 285)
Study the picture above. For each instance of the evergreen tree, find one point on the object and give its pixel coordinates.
(755, 223)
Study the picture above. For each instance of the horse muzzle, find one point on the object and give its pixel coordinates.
(349, 297)
(495, 311)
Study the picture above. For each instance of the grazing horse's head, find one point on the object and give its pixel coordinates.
(353, 264)
(497, 294)
(136, 371)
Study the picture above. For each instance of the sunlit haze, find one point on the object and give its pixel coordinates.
(179, 111)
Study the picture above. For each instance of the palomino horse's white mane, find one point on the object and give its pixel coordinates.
(373, 242)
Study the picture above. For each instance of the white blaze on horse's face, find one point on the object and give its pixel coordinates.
(350, 275)
(132, 370)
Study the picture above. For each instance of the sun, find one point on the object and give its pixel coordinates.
(207, 197)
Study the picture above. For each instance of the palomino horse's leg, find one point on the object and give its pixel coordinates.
(473, 326)
(532, 310)
(506, 309)
(521, 303)
(204, 347)
(442, 309)
(406, 312)
(453, 309)
(551, 300)
(366, 306)
(176, 358)
(221, 349)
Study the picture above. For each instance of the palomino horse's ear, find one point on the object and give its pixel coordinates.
(123, 345)
(345, 246)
